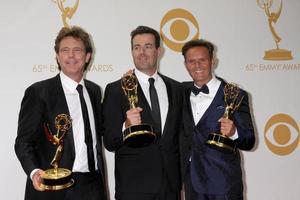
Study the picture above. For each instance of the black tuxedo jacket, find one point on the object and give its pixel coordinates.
(42, 102)
(213, 171)
(142, 169)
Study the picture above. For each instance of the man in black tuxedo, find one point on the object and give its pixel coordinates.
(42, 102)
(150, 172)
(210, 173)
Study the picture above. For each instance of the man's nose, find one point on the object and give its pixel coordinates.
(143, 50)
(71, 53)
(198, 63)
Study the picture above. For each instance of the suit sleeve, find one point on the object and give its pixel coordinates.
(113, 117)
(28, 128)
(244, 125)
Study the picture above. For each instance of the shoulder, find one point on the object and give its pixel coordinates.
(91, 84)
(113, 87)
(170, 82)
(187, 84)
(44, 84)
(42, 88)
(168, 79)
(114, 84)
(224, 82)
(244, 92)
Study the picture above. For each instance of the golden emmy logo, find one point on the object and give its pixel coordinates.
(181, 26)
(233, 101)
(278, 53)
(67, 12)
(135, 135)
(58, 178)
(282, 141)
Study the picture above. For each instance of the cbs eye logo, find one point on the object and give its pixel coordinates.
(177, 27)
(281, 134)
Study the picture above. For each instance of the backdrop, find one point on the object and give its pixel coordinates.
(258, 48)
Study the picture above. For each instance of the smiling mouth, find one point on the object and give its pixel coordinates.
(199, 71)
(71, 62)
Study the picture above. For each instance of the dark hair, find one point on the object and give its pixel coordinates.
(145, 29)
(198, 43)
(77, 33)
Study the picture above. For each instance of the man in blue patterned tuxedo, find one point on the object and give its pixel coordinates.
(209, 173)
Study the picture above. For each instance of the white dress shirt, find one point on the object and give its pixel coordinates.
(202, 101)
(161, 89)
(73, 101)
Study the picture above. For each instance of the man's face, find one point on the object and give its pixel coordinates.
(72, 57)
(199, 65)
(144, 53)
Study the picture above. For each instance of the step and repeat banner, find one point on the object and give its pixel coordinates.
(258, 47)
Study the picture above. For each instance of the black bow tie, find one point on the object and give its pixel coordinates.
(203, 89)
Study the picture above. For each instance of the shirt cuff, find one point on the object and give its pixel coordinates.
(32, 173)
(235, 135)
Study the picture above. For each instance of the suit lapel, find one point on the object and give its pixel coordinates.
(61, 107)
(187, 94)
(58, 93)
(217, 101)
(170, 102)
(143, 103)
(93, 98)
(188, 118)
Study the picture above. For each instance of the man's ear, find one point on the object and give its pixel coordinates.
(161, 52)
(88, 57)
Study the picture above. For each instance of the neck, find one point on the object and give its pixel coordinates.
(149, 72)
(201, 83)
(75, 77)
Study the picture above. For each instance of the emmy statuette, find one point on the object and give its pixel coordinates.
(136, 135)
(218, 140)
(58, 178)
(67, 12)
(278, 53)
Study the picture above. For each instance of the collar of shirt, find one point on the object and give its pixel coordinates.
(142, 77)
(73, 102)
(69, 83)
(213, 86)
(161, 91)
(201, 102)
(144, 83)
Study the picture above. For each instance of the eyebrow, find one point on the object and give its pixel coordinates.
(147, 44)
(135, 45)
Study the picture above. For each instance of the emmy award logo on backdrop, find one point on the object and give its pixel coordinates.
(67, 12)
(278, 53)
(58, 178)
(136, 135)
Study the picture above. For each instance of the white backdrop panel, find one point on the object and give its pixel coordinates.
(239, 29)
